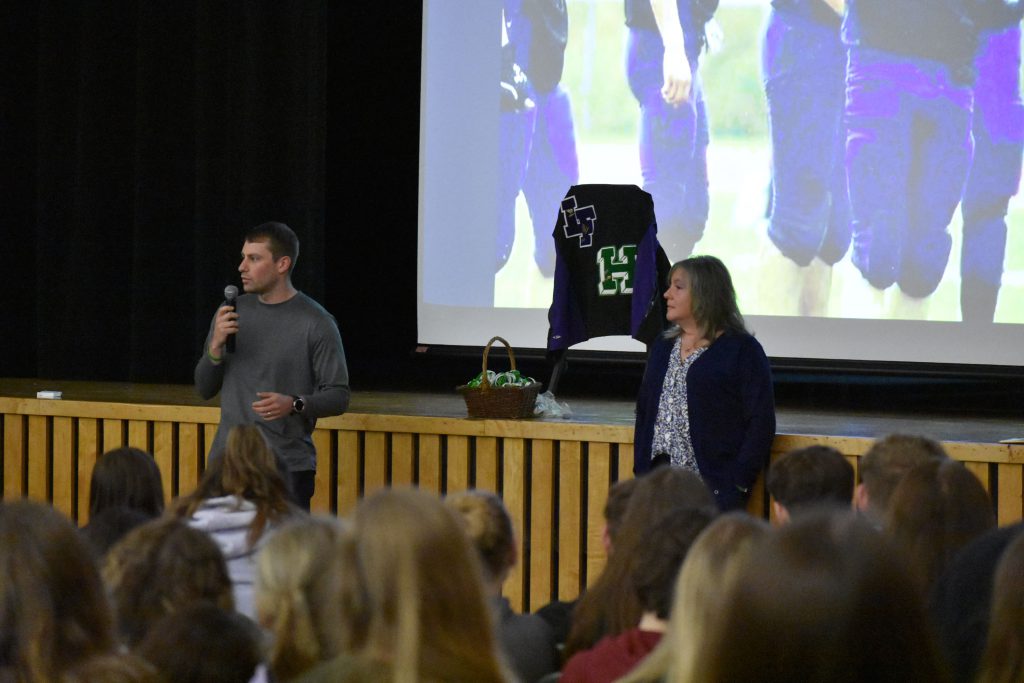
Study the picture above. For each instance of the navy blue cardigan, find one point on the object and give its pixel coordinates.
(732, 413)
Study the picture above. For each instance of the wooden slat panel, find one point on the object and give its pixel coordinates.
(138, 434)
(113, 434)
(64, 475)
(39, 457)
(1011, 494)
(542, 522)
(598, 482)
(188, 458)
(165, 455)
(570, 513)
(321, 501)
(514, 496)
(430, 462)
(15, 443)
(487, 463)
(758, 497)
(348, 471)
(625, 461)
(402, 457)
(458, 464)
(88, 451)
(375, 462)
(209, 435)
(980, 470)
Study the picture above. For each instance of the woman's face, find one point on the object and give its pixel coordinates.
(679, 307)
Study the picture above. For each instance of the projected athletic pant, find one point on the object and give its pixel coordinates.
(995, 172)
(552, 169)
(804, 69)
(908, 151)
(673, 146)
(515, 136)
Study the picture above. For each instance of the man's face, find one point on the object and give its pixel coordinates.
(260, 272)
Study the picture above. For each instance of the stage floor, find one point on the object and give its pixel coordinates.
(947, 427)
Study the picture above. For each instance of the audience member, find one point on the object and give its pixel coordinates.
(659, 558)
(203, 644)
(299, 574)
(526, 640)
(125, 490)
(937, 508)
(707, 574)
(558, 613)
(961, 600)
(1003, 659)
(419, 613)
(809, 477)
(882, 467)
(240, 497)
(823, 599)
(159, 568)
(609, 606)
(55, 621)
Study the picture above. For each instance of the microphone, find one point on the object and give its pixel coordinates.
(230, 296)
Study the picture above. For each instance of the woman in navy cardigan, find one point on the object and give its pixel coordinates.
(706, 402)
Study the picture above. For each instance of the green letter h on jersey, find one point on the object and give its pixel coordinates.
(615, 269)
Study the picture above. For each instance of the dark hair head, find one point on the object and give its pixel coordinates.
(811, 476)
(713, 297)
(280, 239)
(54, 614)
(665, 546)
(110, 526)
(616, 503)
(160, 567)
(1003, 659)
(888, 459)
(203, 643)
(824, 598)
(489, 527)
(126, 477)
(937, 508)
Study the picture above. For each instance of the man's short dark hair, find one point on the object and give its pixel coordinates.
(816, 475)
(281, 240)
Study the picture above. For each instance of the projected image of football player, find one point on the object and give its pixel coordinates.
(998, 127)
(538, 33)
(909, 101)
(804, 71)
(665, 41)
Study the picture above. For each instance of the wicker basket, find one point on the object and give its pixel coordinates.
(499, 402)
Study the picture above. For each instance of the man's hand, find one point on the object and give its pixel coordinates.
(226, 324)
(678, 77)
(272, 406)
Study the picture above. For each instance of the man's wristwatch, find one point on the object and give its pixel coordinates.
(298, 405)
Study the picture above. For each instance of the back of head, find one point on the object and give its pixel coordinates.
(937, 508)
(888, 459)
(615, 506)
(822, 599)
(53, 611)
(281, 240)
(662, 553)
(489, 527)
(704, 580)
(610, 606)
(816, 475)
(422, 605)
(159, 567)
(1003, 659)
(109, 526)
(299, 578)
(129, 478)
(203, 643)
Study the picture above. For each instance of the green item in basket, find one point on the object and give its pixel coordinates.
(511, 378)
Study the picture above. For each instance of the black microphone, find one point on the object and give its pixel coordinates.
(230, 296)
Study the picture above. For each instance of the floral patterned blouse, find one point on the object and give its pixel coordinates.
(672, 426)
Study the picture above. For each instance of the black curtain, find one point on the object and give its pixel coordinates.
(140, 140)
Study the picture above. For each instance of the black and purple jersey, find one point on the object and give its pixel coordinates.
(609, 269)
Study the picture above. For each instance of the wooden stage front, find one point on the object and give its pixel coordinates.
(553, 474)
